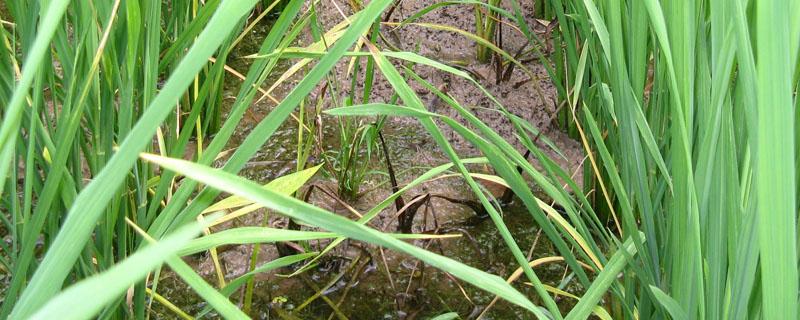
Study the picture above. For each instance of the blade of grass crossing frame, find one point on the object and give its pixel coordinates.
(600, 285)
(412, 100)
(256, 75)
(280, 113)
(672, 306)
(214, 298)
(501, 146)
(237, 283)
(65, 132)
(511, 176)
(109, 285)
(247, 235)
(316, 216)
(372, 213)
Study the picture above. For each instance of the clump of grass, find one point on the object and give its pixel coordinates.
(683, 106)
(350, 164)
(88, 114)
(486, 20)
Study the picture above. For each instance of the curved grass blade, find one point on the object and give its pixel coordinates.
(597, 310)
(675, 310)
(494, 152)
(237, 283)
(372, 213)
(410, 98)
(264, 130)
(287, 184)
(600, 285)
(108, 286)
(247, 235)
(256, 75)
(214, 298)
(312, 215)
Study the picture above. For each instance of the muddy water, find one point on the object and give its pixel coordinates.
(409, 290)
(362, 281)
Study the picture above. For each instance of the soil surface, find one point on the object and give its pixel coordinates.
(527, 93)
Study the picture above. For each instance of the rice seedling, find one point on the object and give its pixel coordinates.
(349, 164)
(116, 151)
(485, 27)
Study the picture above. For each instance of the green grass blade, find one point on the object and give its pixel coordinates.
(312, 215)
(256, 75)
(374, 211)
(775, 164)
(379, 108)
(111, 284)
(618, 261)
(237, 283)
(264, 130)
(287, 184)
(248, 235)
(408, 96)
(214, 298)
(447, 316)
(672, 306)
(12, 118)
